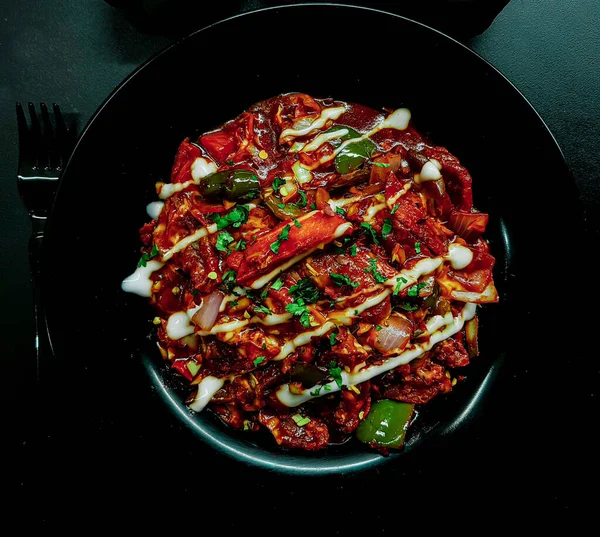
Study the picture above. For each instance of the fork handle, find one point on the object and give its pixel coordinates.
(43, 349)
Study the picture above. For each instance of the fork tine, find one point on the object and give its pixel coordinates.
(62, 136)
(35, 136)
(48, 137)
(25, 153)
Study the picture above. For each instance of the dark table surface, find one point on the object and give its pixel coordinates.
(76, 51)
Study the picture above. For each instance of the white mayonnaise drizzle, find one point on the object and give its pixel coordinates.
(238, 292)
(179, 325)
(459, 256)
(154, 209)
(263, 280)
(340, 202)
(302, 339)
(429, 172)
(139, 283)
(273, 319)
(373, 210)
(231, 326)
(448, 327)
(347, 316)
(396, 120)
(197, 235)
(407, 277)
(322, 138)
(185, 242)
(392, 201)
(200, 168)
(206, 390)
(318, 123)
(399, 119)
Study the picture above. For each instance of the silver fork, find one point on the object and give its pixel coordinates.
(44, 148)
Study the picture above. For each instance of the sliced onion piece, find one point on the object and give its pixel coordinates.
(466, 224)
(471, 331)
(208, 312)
(394, 334)
(488, 296)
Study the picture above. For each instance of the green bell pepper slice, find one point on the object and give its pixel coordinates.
(352, 156)
(286, 212)
(233, 184)
(386, 424)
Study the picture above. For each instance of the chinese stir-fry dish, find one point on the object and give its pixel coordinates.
(315, 267)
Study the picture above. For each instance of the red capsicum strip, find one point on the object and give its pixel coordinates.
(315, 229)
(187, 153)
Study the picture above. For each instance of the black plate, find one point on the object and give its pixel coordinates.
(101, 335)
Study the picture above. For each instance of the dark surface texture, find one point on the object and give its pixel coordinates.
(75, 52)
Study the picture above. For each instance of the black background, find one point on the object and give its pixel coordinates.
(76, 51)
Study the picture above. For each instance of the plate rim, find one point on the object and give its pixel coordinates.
(375, 460)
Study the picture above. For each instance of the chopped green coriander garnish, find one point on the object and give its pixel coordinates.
(230, 162)
(303, 197)
(372, 269)
(241, 245)
(353, 250)
(147, 257)
(333, 339)
(418, 247)
(264, 346)
(262, 309)
(336, 373)
(369, 228)
(223, 240)
(278, 182)
(382, 165)
(296, 223)
(414, 290)
(395, 208)
(378, 327)
(340, 211)
(355, 312)
(313, 206)
(406, 306)
(300, 420)
(233, 303)
(327, 388)
(236, 217)
(277, 284)
(387, 227)
(259, 360)
(281, 205)
(283, 236)
(194, 292)
(342, 279)
(400, 281)
(299, 309)
(229, 279)
(316, 391)
(305, 290)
